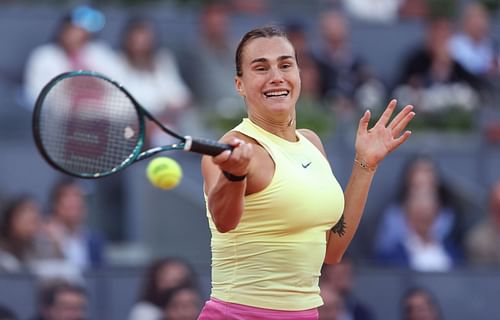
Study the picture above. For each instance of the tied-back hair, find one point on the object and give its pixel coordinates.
(261, 32)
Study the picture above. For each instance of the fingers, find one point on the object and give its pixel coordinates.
(236, 161)
(399, 141)
(363, 122)
(401, 120)
(384, 118)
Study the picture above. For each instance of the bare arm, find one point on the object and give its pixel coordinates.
(372, 146)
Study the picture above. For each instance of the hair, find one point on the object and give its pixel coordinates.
(8, 215)
(50, 289)
(168, 295)
(261, 32)
(6, 313)
(432, 300)
(150, 290)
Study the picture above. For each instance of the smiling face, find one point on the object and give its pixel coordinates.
(269, 79)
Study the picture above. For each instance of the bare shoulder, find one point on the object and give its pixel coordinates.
(313, 138)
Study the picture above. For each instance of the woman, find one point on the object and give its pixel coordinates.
(273, 199)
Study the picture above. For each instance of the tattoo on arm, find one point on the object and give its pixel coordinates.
(339, 228)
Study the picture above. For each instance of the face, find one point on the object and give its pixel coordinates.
(73, 38)
(333, 307)
(419, 307)
(171, 275)
(140, 41)
(421, 212)
(340, 276)
(26, 221)
(68, 305)
(270, 81)
(185, 305)
(70, 206)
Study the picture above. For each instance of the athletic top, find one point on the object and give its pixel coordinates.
(272, 259)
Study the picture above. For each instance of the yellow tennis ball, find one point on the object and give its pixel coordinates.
(164, 173)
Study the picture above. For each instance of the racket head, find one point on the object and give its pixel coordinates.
(87, 125)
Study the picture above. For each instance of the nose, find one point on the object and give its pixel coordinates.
(276, 76)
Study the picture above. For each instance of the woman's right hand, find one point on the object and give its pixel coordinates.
(236, 161)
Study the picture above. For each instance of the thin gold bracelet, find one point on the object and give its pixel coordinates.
(363, 165)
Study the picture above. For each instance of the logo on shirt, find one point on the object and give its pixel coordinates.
(306, 165)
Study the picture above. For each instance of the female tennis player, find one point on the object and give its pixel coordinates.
(275, 209)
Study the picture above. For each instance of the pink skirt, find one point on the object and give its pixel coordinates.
(215, 309)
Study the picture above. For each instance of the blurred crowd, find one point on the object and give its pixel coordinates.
(448, 75)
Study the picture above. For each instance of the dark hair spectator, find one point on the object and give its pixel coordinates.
(182, 302)
(420, 304)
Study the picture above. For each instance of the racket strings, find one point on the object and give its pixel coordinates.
(88, 126)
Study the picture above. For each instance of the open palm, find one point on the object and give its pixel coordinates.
(373, 145)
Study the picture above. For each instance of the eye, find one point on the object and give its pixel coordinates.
(260, 68)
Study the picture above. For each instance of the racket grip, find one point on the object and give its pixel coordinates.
(205, 146)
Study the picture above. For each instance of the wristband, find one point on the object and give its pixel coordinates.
(232, 177)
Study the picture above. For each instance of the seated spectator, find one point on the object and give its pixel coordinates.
(432, 80)
(474, 47)
(22, 243)
(6, 313)
(73, 48)
(81, 246)
(150, 72)
(420, 304)
(345, 77)
(181, 303)
(483, 240)
(420, 173)
(161, 275)
(420, 249)
(339, 278)
(61, 300)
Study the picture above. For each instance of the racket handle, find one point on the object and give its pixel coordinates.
(205, 146)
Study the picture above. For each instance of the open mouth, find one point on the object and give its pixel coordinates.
(276, 93)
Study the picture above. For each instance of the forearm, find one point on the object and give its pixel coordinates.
(225, 202)
(355, 195)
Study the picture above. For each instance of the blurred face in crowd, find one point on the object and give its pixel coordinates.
(140, 41)
(270, 80)
(68, 305)
(421, 211)
(334, 28)
(185, 305)
(172, 274)
(333, 307)
(72, 38)
(476, 21)
(422, 175)
(419, 306)
(340, 276)
(214, 21)
(26, 221)
(70, 206)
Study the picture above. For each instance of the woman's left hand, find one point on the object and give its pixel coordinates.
(373, 145)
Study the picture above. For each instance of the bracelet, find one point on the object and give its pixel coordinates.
(363, 165)
(232, 177)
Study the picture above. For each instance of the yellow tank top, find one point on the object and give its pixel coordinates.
(272, 259)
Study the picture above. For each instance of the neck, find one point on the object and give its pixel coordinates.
(283, 127)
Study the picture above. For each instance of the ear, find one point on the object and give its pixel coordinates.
(239, 86)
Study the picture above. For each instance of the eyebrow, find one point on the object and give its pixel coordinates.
(280, 58)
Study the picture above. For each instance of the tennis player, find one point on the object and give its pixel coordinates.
(275, 209)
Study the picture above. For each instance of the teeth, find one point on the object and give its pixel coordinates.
(276, 93)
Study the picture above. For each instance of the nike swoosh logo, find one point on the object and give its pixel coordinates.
(306, 165)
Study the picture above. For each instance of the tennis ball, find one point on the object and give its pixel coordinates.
(164, 173)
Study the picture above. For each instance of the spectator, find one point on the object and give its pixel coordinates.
(339, 279)
(6, 313)
(81, 246)
(420, 173)
(483, 240)
(345, 77)
(420, 249)
(22, 244)
(161, 276)
(473, 47)
(432, 79)
(61, 300)
(333, 307)
(181, 303)
(73, 48)
(385, 11)
(420, 304)
(151, 74)
(209, 67)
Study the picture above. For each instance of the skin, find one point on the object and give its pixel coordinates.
(68, 305)
(269, 64)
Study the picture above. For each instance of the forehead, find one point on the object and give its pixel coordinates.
(268, 48)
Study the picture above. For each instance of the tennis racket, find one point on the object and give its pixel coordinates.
(89, 126)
